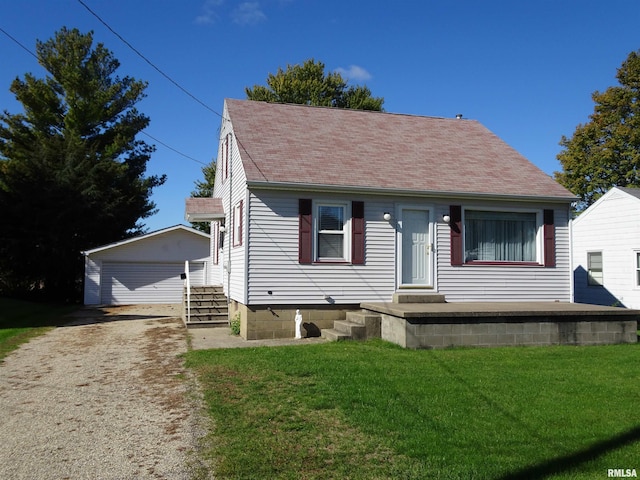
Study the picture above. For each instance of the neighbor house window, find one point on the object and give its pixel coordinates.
(594, 268)
(237, 224)
(637, 269)
(493, 236)
(331, 232)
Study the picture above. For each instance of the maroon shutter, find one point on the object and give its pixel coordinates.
(357, 233)
(305, 231)
(455, 225)
(549, 239)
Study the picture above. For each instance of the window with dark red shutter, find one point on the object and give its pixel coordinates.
(305, 231)
(357, 232)
(549, 239)
(455, 227)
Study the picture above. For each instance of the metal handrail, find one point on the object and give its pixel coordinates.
(187, 281)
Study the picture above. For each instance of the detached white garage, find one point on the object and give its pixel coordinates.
(146, 269)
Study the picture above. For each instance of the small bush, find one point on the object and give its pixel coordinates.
(235, 324)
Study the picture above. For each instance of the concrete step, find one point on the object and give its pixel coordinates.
(209, 309)
(208, 317)
(418, 298)
(355, 331)
(208, 296)
(363, 317)
(207, 324)
(334, 335)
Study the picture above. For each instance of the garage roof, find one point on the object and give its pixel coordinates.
(144, 237)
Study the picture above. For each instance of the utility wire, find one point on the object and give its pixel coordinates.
(20, 44)
(26, 49)
(184, 90)
(173, 149)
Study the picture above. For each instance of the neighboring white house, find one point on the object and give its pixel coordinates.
(606, 250)
(320, 209)
(147, 268)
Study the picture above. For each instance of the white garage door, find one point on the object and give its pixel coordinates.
(135, 283)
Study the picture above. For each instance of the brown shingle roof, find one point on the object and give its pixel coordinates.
(350, 148)
(200, 209)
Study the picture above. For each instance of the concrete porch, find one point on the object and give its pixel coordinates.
(436, 324)
(428, 321)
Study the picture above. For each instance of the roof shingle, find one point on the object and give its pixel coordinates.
(297, 144)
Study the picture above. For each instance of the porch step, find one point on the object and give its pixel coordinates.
(334, 335)
(208, 307)
(359, 325)
(418, 298)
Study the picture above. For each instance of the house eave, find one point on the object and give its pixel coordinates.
(203, 209)
(317, 188)
(203, 217)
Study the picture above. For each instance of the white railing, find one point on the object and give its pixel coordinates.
(187, 283)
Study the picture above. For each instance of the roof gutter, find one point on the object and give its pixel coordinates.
(309, 187)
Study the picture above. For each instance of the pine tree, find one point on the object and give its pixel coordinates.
(72, 173)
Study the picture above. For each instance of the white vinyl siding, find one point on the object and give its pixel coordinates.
(504, 283)
(610, 226)
(232, 190)
(273, 261)
(273, 256)
(137, 283)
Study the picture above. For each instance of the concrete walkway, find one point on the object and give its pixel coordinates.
(221, 337)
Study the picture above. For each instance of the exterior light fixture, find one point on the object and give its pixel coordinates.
(386, 216)
(446, 218)
(222, 229)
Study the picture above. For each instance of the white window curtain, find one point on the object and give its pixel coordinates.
(500, 236)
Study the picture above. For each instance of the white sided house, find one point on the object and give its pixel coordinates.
(606, 250)
(320, 209)
(147, 268)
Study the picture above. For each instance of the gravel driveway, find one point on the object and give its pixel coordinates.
(106, 397)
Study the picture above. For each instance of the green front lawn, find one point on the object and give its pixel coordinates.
(373, 410)
(20, 321)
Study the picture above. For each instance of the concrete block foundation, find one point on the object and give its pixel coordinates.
(261, 322)
(418, 333)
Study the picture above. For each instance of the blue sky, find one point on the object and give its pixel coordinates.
(526, 70)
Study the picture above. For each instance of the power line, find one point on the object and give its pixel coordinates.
(26, 49)
(173, 149)
(20, 44)
(184, 90)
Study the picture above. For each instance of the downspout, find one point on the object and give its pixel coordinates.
(572, 287)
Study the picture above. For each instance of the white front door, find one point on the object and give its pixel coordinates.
(416, 253)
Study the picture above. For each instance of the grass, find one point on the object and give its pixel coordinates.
(372, 410)
(20, 321)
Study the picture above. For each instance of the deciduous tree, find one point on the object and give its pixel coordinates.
(605, 152)
(308, 84)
